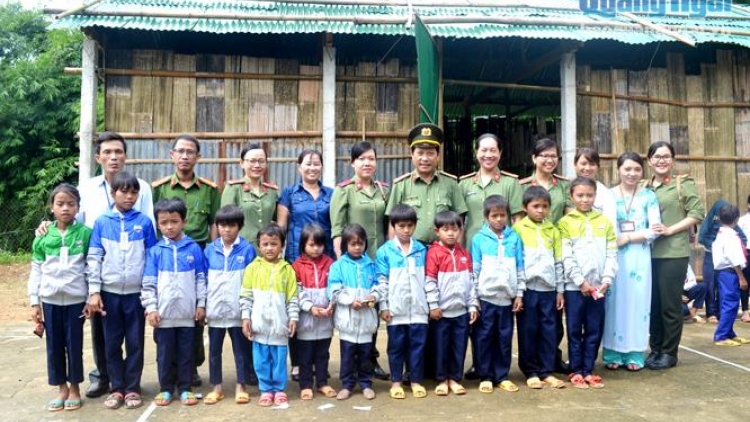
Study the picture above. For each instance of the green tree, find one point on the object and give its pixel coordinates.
(39, 109)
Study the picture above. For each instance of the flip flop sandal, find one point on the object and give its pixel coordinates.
(594, 381)
(343, 394)
(534, 383)
(73, 404)
(242, 397)
(441, 390)
(369, 393)
(187, 398)
(418, 391)
(163, 399)
(508, 386)
(634, 367)
(578, 381)
(554, 382)
(727, 342)
(306, 394)
(612, 366)
(457, 388)
(485, 387)
(213, 398)
(397, 393)
(280, 398)
(56, 405)
(114, 401)
(133, 401)
(741, 340)
(265, 400)
(327, 391)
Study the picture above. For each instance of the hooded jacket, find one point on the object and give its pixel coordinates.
(450, 286)
(350, 280)
(498, 265)
(117, 252)
(402, 282)
(542, 256)
(312, 284)
(225, 273)
(589, 248)
(174, 281)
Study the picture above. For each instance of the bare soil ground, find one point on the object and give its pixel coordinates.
(14, 304)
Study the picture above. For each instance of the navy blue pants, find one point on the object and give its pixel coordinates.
(449, 337)
(537, 334)
(406, 346)
(64, 328)
(125, 321)
(494, 337)
(697, 295)
(709, 280)
(241, 347)
(585, 318)
(313, 353)
(175, 344)
(729, 290)
(356, 366)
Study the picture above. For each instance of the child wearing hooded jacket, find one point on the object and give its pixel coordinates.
(116, 260)
(315, 327)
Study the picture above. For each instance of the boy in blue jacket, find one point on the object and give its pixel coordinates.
(226, 258)
(174, 295)
(117, 256)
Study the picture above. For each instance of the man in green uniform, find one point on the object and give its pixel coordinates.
(428, 190)
(202, 199)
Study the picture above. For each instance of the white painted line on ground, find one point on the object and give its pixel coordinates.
(726, 362)
(149, 410)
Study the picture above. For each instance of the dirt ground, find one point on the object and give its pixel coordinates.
(706, 385)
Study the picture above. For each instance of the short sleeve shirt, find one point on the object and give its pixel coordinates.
(258, 207)
(353, 202)
(201, 198)
(304, 209)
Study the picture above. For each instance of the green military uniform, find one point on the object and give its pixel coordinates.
(678, 198)
(559, 194)
(354, 203)
(475, 191)
(202, 200)
(258, 206)
(440, 194)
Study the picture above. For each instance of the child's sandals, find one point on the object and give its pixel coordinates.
(114, 401)
(306, 394)
(280, 398)
(242, 397)
(327, 391)
(442, 389)
(163, 399)
(554, 382)
(485, 387)
(369, 393)
(418, 391)
(213, 397)
(398, 393)
(594, 381)
(266, 400)
(456, 388)
(578, 381)
(534, 383)
(187, 398)
(508, 386)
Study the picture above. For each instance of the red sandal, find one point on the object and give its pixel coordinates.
(594, 381)
(578, 381)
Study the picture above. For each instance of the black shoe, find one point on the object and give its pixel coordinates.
(380, 373)
(664, 361)
(97, 389)
(196, 380)
(471, 374)
(561, 367)
(652, 357)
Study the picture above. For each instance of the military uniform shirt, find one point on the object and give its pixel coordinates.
(202, 200)
(674, 207)
(428, 199)
(559, 194)
(258, 207)
(352, 202)
(502, 183)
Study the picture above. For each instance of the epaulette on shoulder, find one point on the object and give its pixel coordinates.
(235, 182)
(682, 176)
(159, 182)
(467, 176)
(270, 185)
(402, 177)
(509, 174)
(208, 182)
(447, 175)
(561, 177)
(382, 183)
(345, 183)
(526, 180)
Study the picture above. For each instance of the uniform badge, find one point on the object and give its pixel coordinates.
(246, 187)
(426, 131)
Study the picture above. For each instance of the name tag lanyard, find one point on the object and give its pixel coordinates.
(628, 225)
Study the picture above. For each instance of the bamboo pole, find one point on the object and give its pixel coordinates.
(76, 10)
(658, 28)
(350, 134)
(270, 159)
(709, 158)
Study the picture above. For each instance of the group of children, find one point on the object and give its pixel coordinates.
(429, 296)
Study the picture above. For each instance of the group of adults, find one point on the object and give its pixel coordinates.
(652, 219)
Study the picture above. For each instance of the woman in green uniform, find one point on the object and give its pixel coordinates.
(681, 208)
(489, 180)
(546, 157)
(255, 197)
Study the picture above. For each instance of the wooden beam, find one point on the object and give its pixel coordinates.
(659, 28)
(567, 139)
(87, 124)
(349, 134)
(329, 113)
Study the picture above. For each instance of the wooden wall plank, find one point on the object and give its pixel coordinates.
(209, 103)
(143, 91)
(164, 88)
(366, 98)
(118, 92)
(183, 95)
(310, 100)
(696, 131)
(678, 126)
(639, 133)
(601, 112)
(658, 114)
(583, 106)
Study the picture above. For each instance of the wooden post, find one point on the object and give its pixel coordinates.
(567, 136)
(88, 110)
(329, 114)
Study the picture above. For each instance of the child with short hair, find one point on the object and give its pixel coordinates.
(497, 254)
(117, 256)
(226, 259)
(729, 260)
(174, 295)
(589, 249)
(57, 294)
(315, 328)
(400, 269)
(542, 290)
(452, 300)
(353, 289)
(270, 311)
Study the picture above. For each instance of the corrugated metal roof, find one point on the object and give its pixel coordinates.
(185, 17)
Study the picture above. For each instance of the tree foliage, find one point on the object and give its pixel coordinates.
(39, 109)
